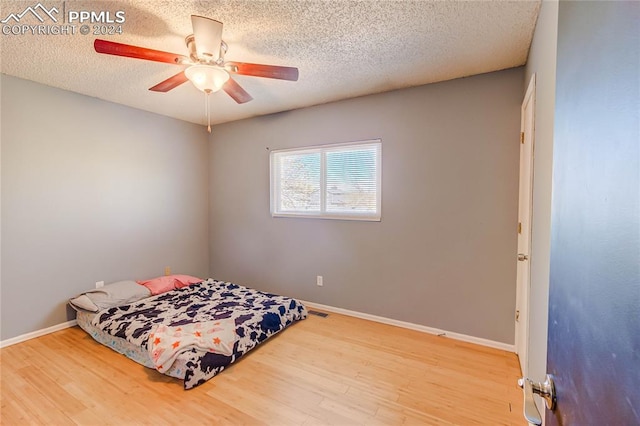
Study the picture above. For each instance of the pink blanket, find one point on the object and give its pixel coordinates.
(166, 342)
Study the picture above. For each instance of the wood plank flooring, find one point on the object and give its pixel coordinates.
(337, 370)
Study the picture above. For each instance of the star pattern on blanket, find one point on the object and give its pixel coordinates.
(176, 344)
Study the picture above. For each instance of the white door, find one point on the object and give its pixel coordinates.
(524, 224)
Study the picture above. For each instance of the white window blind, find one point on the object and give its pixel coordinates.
(331, 181)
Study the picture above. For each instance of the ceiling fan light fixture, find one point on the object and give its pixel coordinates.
(207, 78)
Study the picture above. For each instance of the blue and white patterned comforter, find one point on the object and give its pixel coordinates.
(257, 316)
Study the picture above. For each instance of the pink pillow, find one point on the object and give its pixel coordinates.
(185, 280)
(159, 285)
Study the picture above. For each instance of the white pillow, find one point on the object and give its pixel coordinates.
(84, 303)
(115, 294)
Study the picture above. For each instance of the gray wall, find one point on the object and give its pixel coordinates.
(444, 253)
(542, 62)
(93, 191)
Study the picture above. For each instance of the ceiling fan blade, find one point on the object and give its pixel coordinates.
(266, 71)
(234, 90)
(208, 36)
(170, 83)
(119, 49)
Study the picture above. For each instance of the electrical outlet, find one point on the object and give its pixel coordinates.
(99, 284)
(319, 282)
(167, 270)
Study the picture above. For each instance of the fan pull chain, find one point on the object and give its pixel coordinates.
(207, 109)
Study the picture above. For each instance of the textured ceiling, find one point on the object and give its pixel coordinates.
(342, 48)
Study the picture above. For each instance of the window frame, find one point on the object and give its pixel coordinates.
(274, 182)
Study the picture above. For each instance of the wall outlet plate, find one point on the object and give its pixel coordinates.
(319, 281)
(99, 284)
(167, 270)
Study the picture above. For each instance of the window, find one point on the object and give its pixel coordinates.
(331, 181)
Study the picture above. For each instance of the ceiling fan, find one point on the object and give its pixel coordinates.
(207, 69)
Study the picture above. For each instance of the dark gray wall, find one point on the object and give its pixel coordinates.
(594, 299)
(444, 253)
(93, 191)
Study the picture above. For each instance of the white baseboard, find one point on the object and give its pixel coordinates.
(37, 333)
(457, 336)
(411, 326)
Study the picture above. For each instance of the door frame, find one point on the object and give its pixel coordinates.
(524, 232)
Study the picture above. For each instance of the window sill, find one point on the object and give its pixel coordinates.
(363, 218)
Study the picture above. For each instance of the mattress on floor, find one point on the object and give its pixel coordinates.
(251, 317)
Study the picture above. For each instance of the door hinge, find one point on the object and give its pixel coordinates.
(521, 137)
(519, 227)
(517, 315)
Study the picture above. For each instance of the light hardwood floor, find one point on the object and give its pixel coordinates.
(336, 370)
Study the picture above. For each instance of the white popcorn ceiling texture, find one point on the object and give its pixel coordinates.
(342, 48)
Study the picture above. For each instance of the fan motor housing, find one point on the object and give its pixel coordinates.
(190, 41)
